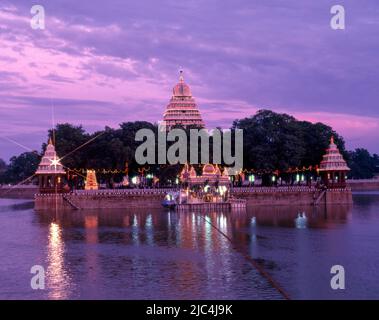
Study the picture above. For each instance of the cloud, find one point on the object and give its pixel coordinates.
(105, 63)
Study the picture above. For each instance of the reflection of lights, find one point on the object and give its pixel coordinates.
(135, 230)
(91, 223)
(56, 275)
(55, 239)
(135, 222)
(223, 223)
(149, 227)
(253, 221)
(301, 221)
(149, 221)
(207, 234)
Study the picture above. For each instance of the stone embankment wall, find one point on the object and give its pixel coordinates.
(292, 195)
(364, 185)
(107, 199)
(118, 199)
(21, 192)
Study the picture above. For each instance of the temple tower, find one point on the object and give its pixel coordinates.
(182, 109)
(91, 181)
(50, 171)
(333, 167)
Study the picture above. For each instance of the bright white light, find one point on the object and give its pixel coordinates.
(55, 162)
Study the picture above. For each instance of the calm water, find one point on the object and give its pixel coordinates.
(128, 254)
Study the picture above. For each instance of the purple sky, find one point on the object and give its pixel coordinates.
(105, 62)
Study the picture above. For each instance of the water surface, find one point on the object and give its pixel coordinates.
(146, 254)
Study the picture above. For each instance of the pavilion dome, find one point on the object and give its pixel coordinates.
(209, 169)
(50, 163)
(181, 89)
(333, 160)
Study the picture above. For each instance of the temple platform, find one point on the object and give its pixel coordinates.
(152, 198)
(230, 205)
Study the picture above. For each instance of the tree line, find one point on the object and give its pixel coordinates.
(272, 141)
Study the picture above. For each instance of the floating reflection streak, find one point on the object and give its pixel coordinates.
(57, 279)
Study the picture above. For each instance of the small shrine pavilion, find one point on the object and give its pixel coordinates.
(333, 167)
(211, 175)
(50, 171)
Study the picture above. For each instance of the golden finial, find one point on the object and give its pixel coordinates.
(50, 141)
(181, 77)
(332, 140)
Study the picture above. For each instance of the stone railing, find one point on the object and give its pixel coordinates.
(273, 189)
(362, 181)
(112, 192)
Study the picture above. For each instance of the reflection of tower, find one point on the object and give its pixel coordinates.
(91, 224)
(182, 109)
(91, 181)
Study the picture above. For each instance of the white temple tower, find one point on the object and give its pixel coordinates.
(50, 171)
(182, 109)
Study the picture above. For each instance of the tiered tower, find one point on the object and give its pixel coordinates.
(333, 167)
(91, 181)
(50, 171)
(182, 109)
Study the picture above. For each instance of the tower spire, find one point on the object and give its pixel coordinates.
(182, 109)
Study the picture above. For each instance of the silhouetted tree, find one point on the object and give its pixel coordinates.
(362, 164)
(21, 167)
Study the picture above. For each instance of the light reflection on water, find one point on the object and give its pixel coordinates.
(56, 276)
(146, 254)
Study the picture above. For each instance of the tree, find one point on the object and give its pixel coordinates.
(274, 141)
(3, 166)
(21, 167)
(362, 164)
(316, 137)
(271, 141)
(67, 138)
